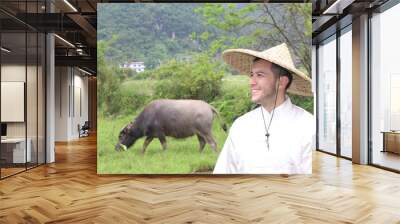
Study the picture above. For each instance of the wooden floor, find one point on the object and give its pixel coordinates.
(10, 171)
(70, 191)
(387, 159)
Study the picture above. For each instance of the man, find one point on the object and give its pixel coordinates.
(277, 137)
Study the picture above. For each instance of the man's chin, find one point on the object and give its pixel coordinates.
(255, 100)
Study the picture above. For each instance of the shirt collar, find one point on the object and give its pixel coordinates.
(283, 108)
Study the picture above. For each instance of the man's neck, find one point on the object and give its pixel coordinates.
(269, 104)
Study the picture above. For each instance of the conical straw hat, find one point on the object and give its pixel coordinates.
(242, 60)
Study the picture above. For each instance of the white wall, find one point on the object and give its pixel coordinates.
(82, 82)
(14, 72)
(70, 83)
(61, 103)
(33, 126)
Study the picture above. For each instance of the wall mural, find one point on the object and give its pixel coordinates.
(168, 102)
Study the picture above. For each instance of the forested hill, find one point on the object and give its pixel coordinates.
(157, 33)
(148, 32)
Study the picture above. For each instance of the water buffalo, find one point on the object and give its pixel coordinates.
(174, 118)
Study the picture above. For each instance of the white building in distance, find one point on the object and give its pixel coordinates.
(138, 66)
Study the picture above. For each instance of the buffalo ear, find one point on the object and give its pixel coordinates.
(130, 125)
(122, 130)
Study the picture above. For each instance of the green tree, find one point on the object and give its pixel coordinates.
(292, 25)
(199, 78)
(108, 82)
(258, 26)
(229, 21)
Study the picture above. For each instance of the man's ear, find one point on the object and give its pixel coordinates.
(283, 82)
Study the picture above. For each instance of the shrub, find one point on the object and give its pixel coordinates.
(199, 79)
(305, 102)
(234, 100)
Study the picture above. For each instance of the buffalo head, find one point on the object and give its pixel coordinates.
(127, 137)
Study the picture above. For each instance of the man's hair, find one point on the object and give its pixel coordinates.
(280, 71)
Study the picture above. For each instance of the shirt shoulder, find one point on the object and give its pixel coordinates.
(300, 112)
(246, 118)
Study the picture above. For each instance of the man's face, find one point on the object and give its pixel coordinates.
(262, 82)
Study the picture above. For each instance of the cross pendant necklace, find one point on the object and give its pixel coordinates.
(267, 134)
(267, 140)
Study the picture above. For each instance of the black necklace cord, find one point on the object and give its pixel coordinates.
(272, 115)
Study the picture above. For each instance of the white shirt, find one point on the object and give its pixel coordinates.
(291, 141)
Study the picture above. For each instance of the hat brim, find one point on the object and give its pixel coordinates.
(242, 60)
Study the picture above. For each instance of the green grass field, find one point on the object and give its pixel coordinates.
(146, 87)
(182, 155)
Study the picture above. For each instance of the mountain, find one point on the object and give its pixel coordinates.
(148, 32)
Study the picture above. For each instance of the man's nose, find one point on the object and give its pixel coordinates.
(252, 81)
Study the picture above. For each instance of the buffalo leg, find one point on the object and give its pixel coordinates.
(146, 143)
(210, 140)
(202, 142)
(163, 141)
